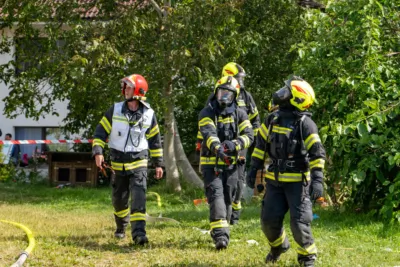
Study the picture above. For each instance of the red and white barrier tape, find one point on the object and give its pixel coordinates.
(32, 142)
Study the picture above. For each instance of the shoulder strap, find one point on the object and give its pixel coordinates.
(248, 104)
(303, 149)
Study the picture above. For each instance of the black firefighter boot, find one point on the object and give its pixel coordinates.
(221, 244)
(275, 253)
(307, 261)
(139, 233)
(122, 224)
(141, 240)
(119, 233)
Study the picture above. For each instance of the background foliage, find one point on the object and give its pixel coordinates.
(351, 56)
(349, 53)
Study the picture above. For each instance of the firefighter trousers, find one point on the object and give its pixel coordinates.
(133, 184)
(236, 205)
(220, 190)
(278, 199)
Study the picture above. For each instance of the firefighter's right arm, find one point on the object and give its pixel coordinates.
(103, 130)
(259, 153)
(208, 130)
(254, 116)
(199, 136)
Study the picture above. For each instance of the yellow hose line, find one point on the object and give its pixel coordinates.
(28, 232)
(158, 198)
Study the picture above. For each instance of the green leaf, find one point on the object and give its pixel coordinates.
(372, 103)
(187, 53)
(391, 189)
(362, 129)
(381, 7)
(324, 130)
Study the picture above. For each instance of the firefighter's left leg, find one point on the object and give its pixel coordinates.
(120, 198)
(215, 195)
(300, 208)
(138, 186)
(230, 180)
(236, 205)
(274, 208)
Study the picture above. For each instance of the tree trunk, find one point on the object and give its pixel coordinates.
(171, 168)
(184, 165)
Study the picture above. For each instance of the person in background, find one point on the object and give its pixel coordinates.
(15, 151)
(226, 131)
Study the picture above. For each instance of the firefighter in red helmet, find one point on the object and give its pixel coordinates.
(134, 137)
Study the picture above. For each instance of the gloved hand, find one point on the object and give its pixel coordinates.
(316, 189)
(198, 146)
(229, 146)
(251, 177)
(221, 153)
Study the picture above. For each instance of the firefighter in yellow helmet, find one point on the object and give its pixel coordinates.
(133, 134)
(226, 131)
(245, 102)
(290, 138)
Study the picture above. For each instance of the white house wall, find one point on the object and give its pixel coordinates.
(8, 125)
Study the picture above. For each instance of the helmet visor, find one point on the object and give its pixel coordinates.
(225, 97)
(281, 96)
(127, 82)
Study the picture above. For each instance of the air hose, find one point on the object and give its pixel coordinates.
(158, 198)
(24, 255)
(160, 218)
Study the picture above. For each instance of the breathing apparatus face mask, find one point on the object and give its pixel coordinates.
(225, 97)
(240, 80)
(282, 96)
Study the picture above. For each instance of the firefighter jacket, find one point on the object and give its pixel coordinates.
(132, 135)
(292, 142)
(216, 126)
(245, 102)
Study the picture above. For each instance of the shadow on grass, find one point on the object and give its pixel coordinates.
(44, 194)
(93, 242)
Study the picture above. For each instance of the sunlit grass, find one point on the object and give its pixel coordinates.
(74, 227)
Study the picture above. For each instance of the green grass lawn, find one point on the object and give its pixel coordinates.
(75, 226)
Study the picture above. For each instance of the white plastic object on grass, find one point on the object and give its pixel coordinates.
(252, 242)
(204, 232)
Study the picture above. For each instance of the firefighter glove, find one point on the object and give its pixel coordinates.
(251, 177)
(317, 189)
(229, 146)
(221, 153)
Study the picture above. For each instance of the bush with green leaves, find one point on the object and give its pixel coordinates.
(351, 55)
(7, 172)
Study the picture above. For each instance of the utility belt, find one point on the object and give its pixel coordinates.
(128, 157)
(284, 170)
(285, 165)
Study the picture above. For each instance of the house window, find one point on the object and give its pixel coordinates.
(41, 133)
(29, 133)
(56, 134)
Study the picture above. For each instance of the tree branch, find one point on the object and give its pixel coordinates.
(158, 9)
(392, 54)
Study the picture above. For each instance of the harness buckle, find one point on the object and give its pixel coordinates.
(290, 163)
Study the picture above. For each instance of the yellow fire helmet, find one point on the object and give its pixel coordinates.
(233, 69)
(303, 95)
(229, 83)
